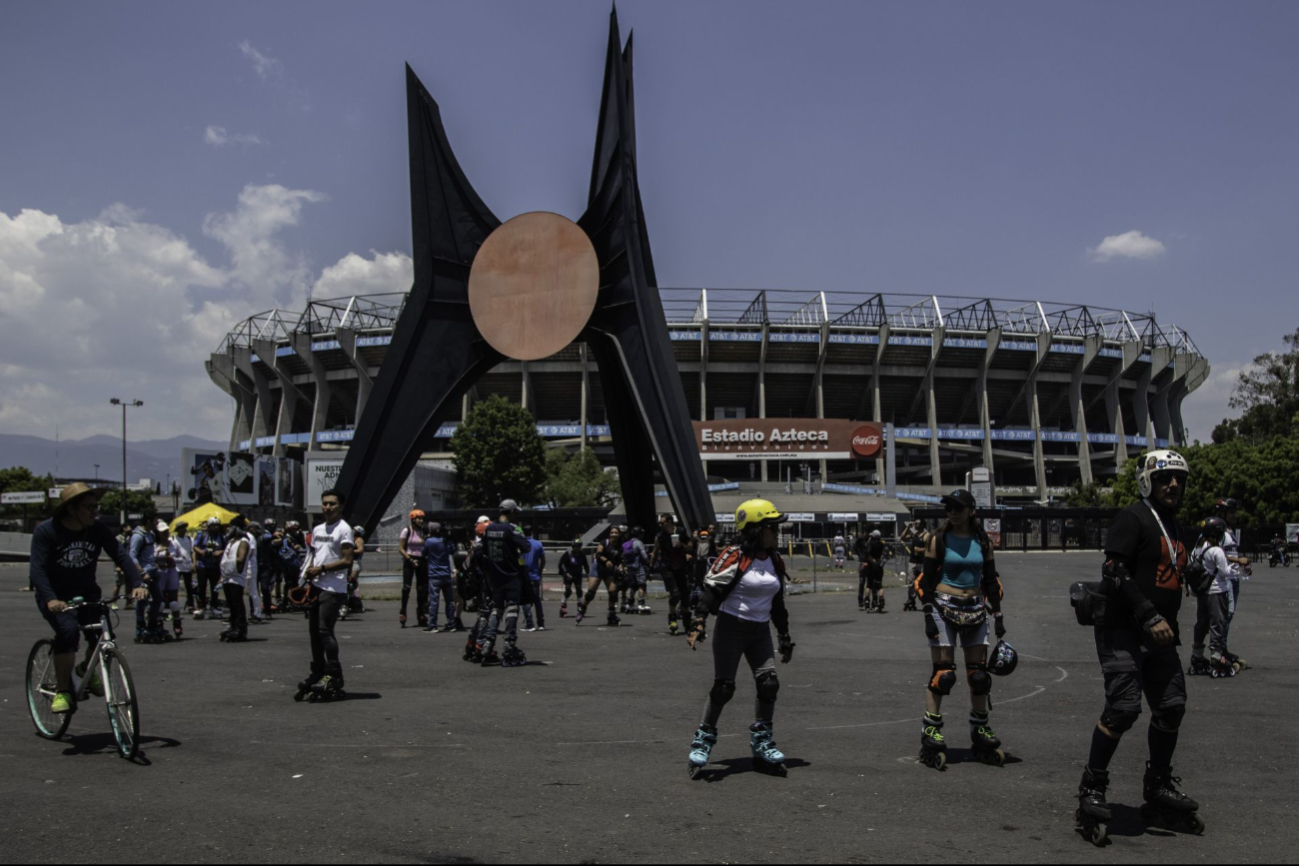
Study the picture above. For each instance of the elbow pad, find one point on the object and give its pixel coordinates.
(1114, 572)
(1120, 581)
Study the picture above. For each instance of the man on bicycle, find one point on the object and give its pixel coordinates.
(65, 550)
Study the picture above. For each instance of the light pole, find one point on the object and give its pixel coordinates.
(124, 404)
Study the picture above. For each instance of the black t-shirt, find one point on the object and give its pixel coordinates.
(63, 561)
(504, 549)
(574, 564)
(1136, 540)
(610, 552)
(670, 553)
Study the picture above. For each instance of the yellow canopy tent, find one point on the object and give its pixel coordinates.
(200, 515)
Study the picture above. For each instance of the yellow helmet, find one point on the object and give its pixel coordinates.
(756, 511)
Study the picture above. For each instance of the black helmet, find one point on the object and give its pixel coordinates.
(1214, 527)
(1003, 659)
(1226, 505)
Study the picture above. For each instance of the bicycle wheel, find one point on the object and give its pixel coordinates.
(41, 687)
(119, 695)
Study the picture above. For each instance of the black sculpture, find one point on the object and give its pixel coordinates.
(437, 351)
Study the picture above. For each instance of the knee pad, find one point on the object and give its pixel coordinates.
(1169, 719)
(1119, 721)
(979, 679)
(944, 678)
(768, 685)
(721, 692)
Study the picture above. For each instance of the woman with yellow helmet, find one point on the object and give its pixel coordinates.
(745, 590)
(411, 547)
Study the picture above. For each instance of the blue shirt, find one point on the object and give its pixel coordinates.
(962, 562)
(438, 559)
(535, 559)
(142, 551)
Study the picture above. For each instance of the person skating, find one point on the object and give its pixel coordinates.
(267, 564)
(148, 617)
(435, 557)
(168, 553)
(1212, 605)
(353, 603)
(535, 565)
(870, 572)
(209, 545)
(957, 585)
(327, 571)
(1136, 642)
(745, 590)
(575, 569)
(185, 563)
(635, 563)
(915, 538)
(608, 571)
(672, 553)
(413, 569)
(238, 579)
(1241, 566)
(504, 550)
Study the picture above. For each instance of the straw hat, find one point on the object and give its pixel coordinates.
(75, 491)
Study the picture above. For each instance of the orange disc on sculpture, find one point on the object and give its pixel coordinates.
(533, 285)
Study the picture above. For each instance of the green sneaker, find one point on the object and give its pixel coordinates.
(96, 685)
(62, 703)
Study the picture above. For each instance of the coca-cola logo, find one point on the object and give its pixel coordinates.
(866, 441)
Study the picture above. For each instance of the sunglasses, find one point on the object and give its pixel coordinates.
(954, 506)
(90, 505)
(1163, 479)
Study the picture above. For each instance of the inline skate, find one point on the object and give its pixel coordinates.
(473, 653)
(580, 615)
(673, 629)
(1221, 667)
(701, 749)
(984, 744)
(766, 757)
(563, 609)
(1238, 664)
(1092, 818)
(933, 747)
(329, 688)
(613, 619)
(1166, 806)
(513, 657)
(488, 658)
(305, 687)
(1199, 667)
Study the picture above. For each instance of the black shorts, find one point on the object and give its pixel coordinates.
(508, 592)
(69, 624)
(1131, 670)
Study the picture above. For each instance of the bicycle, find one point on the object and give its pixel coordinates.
(115, 675)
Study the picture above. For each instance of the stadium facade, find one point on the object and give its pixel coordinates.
(1041, 393)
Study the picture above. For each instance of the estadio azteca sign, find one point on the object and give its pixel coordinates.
(788, 438)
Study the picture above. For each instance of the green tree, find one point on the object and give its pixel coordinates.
(20, 479)
(1268, 392)
(579, 481)
(499, 455)
(1094, 495)
(137, 502)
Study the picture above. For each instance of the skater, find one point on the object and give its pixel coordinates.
(575, 569)
(1212, 605)
(185, 562)
(292, 552)
(267, 562)
(1241, 566)
(504, 550)
(209, 545)
(332, 547)
(838, 545)
(671, 553)
(535, 565)
(353, 603)
(413, 569)
(1136, 641)
(439, 581)
(608, 571)
(148, 617)
(635, 562)
(957, 584)
(238, 579)
(745, 589)
(705, 553)
(167, 556)
(64, 552)
(915, 538)
(870, 574)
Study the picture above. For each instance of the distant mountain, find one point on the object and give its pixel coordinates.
(155, 459)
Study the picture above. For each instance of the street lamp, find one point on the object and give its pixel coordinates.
(124, 404)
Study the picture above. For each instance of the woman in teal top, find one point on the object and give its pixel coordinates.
(957, 584)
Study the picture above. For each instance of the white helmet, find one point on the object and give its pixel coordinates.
(1158, 461)
(876, 534)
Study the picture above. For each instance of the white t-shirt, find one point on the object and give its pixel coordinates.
(1215, 562)
(327, 543)
(185, 556)
(1231, 547)
(751, 599)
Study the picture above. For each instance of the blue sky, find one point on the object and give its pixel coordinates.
(170, 168)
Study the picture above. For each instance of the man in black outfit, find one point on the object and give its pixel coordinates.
(503, 553)
(870, 553)
(1136, 641)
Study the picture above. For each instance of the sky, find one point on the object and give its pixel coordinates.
(168, 169)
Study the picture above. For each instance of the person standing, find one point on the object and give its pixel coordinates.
(413, 569)
(353, 603)
(238, 578)
(635, 562)
(535, 561)
(439, 580)
(167, 556)
(185, 562)
(267, 563)
(745, 589)
(1212, 605)
(608, 570)
(148, 617)
(332, 549)
(870, 573)
(1136, 642)
(838, 545)
(1241, 567)
(575, 569)
(915, 538)
(671, 552)
(503, 552)
(209, 547)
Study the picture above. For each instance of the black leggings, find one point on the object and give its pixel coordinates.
(678, 593)
(734, 639)
(321, 618)
(238, 613)
(413, 570)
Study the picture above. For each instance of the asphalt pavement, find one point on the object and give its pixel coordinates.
(581, 755)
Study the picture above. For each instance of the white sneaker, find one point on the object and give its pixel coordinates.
(530, 628)
(541, 628)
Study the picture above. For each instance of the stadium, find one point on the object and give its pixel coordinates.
(1042, 394)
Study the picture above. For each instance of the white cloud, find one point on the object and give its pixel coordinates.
(217, 136)
(1129, 245)
(266, 67)
(115, 303)
(356, 275)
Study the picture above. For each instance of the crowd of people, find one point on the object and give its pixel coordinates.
(494, 569)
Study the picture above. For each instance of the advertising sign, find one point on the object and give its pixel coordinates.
(286, 482)
(266, 469)
(33, 497)
(203, 476)
(993, 528)
(843, 517)
(800, 517)
(1292, 533)
(55, 492)
(881, 517)
(241, 479)
(322, 474)
(787, 438)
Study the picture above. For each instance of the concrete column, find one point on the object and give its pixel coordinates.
(985, 413)
(935, 465)
(1091, 348)
(1035, 415)
(290, 395)
(1158, 424)
(703, 378)
(762, 384)
(221, 370)
(1132, 350)
(320, 408)
(364, 385)
(874, 394)
(819, 384)
(262, 424)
